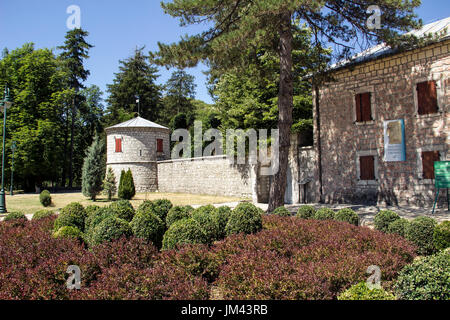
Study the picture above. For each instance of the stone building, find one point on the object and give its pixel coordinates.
(138, 144)
(382, 123)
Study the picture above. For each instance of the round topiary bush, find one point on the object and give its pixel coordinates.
(306, 212)
(41, 214)
(221, 215)
(205, 218)
(361, 291)
(148, 226)
(425, 279)
(384, 218)
(324, 214)
(16, 215)
(184, 231)
(68, 232)
(245, 218)
(420, 231)
(176, 213)
(282, 212)
(123, 209)
(161, 207)
(398, 227)
(441, 236)
(71, 215)
(45, 198)
(110, 229)
(94, 219)
(347, 215)
(91, 209)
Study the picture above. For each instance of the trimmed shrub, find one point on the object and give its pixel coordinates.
(420, 231)
(123, 209)
(110, 229)
(45, 198)
(384, 218)
(347, 215)
(306, 212)
(221, 216)
(205, 218)
(245, 218)
(41, 214)
(176, 213)
(361, 291)
(282, 212)
(398, 227)
(425, 279)
(183, 232)
(126, 186)
(12, 216)
(161, 207)
(148, 226)
(96, 217)
(68, 232)
(441, 236)
(71, 215)
(90, 209)
(324, 214)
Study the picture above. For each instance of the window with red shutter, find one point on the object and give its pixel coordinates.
(363, 107)
(367, 168)
(118, 145)
(160, 145)
(427, 98)
(428, 160)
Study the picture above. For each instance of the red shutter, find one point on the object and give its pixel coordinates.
(367, 167)
(160, 145)
(428, 160)
(118, 145)
(427, 97)
(366, 107)
(358, 108)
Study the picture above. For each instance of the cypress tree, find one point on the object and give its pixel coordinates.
(109, 185)
(92, 173)
(126, 188)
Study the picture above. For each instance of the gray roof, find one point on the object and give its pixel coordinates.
(382, 49)
(138, 122)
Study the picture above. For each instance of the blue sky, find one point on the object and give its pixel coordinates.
(116, 28)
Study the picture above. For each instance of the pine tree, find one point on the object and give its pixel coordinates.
(237, 26)
(92, 173)
(109, 184)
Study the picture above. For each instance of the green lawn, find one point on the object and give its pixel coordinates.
(29, 203)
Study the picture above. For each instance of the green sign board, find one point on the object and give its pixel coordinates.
(442, 174)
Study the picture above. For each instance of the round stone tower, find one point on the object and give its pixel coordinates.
(137, 144)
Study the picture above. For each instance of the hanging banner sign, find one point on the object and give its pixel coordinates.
(394, 141)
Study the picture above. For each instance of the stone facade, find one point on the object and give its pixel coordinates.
(391, 80)
(139, 153)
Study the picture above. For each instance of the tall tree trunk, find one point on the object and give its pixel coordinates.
(285, 106)
(72, 129)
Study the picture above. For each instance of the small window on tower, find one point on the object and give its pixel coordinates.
(363, 107)
(427, 98)
(428, 160)
(159, 145)
(118, 145)
(367, 168)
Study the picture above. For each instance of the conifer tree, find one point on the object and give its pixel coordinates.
(92, 173)
(109, 184)
(126, 188)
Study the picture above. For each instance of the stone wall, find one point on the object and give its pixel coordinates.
(392, 81)
(207, 175)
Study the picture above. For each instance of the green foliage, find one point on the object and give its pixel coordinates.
(384, 218)
(126, 188)
(205, 217)
(306, 212)
(282, 212)
(221, 216)
(71, 215)
(398, 227)
(68, 232)
(91, 209)
(347, 215)
(45, 198)
(95, 218)
(420, 231)
(41, 214)
(425, 279)
(177, 213)
(361, 291)
(441, 236)
(147, 225)
(110, 229)
(15, 216)
(245, 218)
(183, 232)
(92, 173)
(109, 184)
(161, 207)
(324, 214)
(123, 209)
